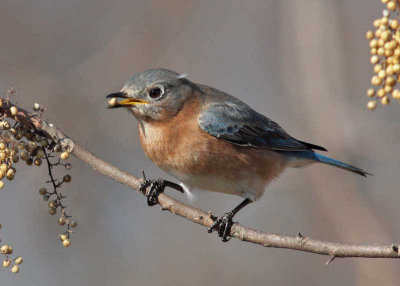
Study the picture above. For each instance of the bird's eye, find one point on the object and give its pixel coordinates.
(156, 93)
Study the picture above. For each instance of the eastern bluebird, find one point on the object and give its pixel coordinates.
(210, 140)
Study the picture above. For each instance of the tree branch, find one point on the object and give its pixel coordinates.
(298, 242)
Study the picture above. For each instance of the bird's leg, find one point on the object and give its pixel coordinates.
(224, 223)
(156, 187)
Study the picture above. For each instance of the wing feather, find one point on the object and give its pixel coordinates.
(235, 122)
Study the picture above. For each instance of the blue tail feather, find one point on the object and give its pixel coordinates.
(310, 155)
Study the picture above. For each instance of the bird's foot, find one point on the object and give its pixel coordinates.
(153, 188)
(223, 224)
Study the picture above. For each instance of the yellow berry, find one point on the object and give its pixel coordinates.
(21, 145)
(37, 161)
(64, 155)
(388, 53)
(6, 263)
(382, 74)
(10, 172)
(3, 167)
(62, 220)
(389, 70)
(24, 156)
(43, 191)
(63, 237)
(15, 269)
(32, 145)
(52, 211)
(396, 94)
(373, 43)
(376, 80)
(113, 101)
(52, 204)
(14, 110)
(385, 100)
(388, 45)
(18, 260)
(36, 106)
(390, 81)
(4, 249)
(388, 88)
(391, 5)
(66, 242)
(371, 92)
(10, 178)
(381, 93)
(371, 104)
(377, 68)
(374, 59)
(385, 36)
(394, 24)
(369, 35)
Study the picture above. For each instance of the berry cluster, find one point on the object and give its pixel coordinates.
(384, 42)
(8, 261)
(55, 197)
(13, 148)
(19, 142)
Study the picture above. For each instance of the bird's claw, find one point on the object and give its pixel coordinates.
(223, 224)
(156, 188)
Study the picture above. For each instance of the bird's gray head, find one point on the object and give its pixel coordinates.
(156, 94)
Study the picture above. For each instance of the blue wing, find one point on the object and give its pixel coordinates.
(233, 121)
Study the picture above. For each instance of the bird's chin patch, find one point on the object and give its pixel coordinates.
(145, 113)
(136, 111)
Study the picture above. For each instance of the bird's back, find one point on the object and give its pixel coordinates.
(228, 118)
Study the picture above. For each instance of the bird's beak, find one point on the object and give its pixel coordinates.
(128, 101)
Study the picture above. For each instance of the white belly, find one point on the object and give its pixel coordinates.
(252, 188)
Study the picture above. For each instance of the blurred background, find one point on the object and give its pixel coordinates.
(303, 63)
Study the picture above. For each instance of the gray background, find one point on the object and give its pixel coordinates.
(302, 63)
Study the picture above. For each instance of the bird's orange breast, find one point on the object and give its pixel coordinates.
(170, 144)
